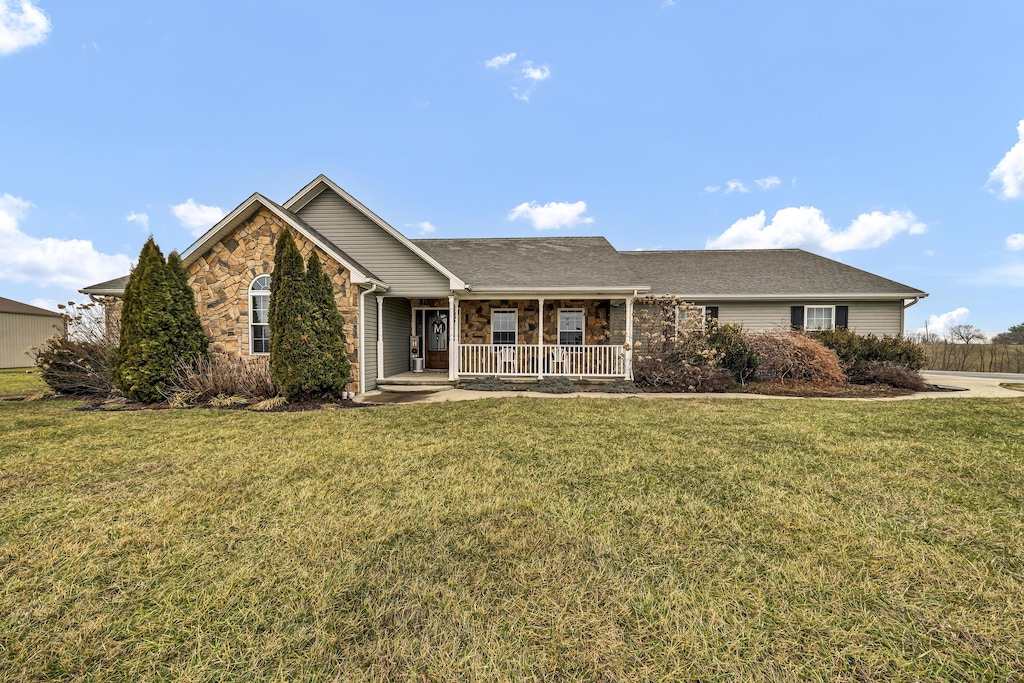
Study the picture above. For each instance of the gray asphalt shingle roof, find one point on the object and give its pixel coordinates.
(754, 272)
(116, 285)
(541, 262)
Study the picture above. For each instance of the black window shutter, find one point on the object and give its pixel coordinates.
(712, 312)
(842, 317)
(796, 317)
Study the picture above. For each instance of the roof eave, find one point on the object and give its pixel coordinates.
(859, 296)
(625, 290)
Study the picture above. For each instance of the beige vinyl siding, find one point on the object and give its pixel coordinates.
(369, 341)
(20, 332)
(866, 317)
(388, 259)
(397, 328)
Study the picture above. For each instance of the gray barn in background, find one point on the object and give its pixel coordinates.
(22, 327)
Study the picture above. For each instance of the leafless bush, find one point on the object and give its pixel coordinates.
(670, 347)
(792, 355)
(78, 358)
(222, 375)
(889, 373)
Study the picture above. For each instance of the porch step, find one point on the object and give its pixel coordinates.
(406, 388)
(416, 381)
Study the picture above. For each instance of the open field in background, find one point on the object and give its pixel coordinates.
(20, 382)
(515, 539)
(975, 357)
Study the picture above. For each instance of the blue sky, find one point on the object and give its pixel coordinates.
(887, 135)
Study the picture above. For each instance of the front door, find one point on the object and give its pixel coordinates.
(437, 340)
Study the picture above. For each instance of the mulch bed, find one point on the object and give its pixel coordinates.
(803, 389)
(93, 404)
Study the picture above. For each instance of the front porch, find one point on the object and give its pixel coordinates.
(456, 339)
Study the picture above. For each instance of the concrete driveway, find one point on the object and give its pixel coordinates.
(977, 384)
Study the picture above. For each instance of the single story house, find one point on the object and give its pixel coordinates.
(526, 307)
(23, 327)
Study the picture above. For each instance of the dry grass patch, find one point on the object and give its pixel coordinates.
(515, 539)
(21, 382)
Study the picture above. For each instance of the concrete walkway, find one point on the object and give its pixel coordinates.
(971, 386)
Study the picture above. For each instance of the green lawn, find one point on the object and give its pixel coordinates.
(20, 382)
(517, 539)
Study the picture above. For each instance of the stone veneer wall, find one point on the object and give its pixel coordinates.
(221, 277)
(475, 319)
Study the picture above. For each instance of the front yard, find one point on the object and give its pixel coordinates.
(515, 539)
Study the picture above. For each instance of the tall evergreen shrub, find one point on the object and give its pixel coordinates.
(157, 329)
(289, 317)
(192, 340)
(329, 363)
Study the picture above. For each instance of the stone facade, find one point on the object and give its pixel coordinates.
(221, 276)
(475, 319)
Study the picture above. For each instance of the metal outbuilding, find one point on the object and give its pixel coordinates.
(22, 327)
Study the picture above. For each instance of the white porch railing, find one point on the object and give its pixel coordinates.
(531, 360)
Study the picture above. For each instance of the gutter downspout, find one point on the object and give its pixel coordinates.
(903, 313)
(362, 337)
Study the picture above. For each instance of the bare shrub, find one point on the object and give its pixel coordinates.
(892, 374)
(553, 385)
(222, 375)
(671, 351)
(78, 358)
(792, 355)
(487, 384)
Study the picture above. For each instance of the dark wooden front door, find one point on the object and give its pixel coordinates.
(437, 340)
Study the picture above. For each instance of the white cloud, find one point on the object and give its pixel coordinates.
(552, 215)
(769, 182)
(500, 60)
(142, 219)
(1004, 276)
(425, 227)
(668, 3)
(940, 324)
(711, 189)
(525, 77)
(1015, 242)
(538, 73)
(197, 217)
(47, 261)
(657, 248)
(1009, 172)
(21, 25)
(806, 227)
(735, 186)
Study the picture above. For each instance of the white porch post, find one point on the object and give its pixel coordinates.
(540, 338)
(629, 338)
(453, 349)
(380, 337)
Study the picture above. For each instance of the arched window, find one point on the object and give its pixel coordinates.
(259, 320)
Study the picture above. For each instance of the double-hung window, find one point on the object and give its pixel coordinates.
(503, 326)
(819, 318)
(570, 327)
(690, 318)
(259, 319)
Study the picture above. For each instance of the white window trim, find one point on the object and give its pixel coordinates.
(583, 322)
(515, 326)
(807, 308)
(249, 295)
(680, 318)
